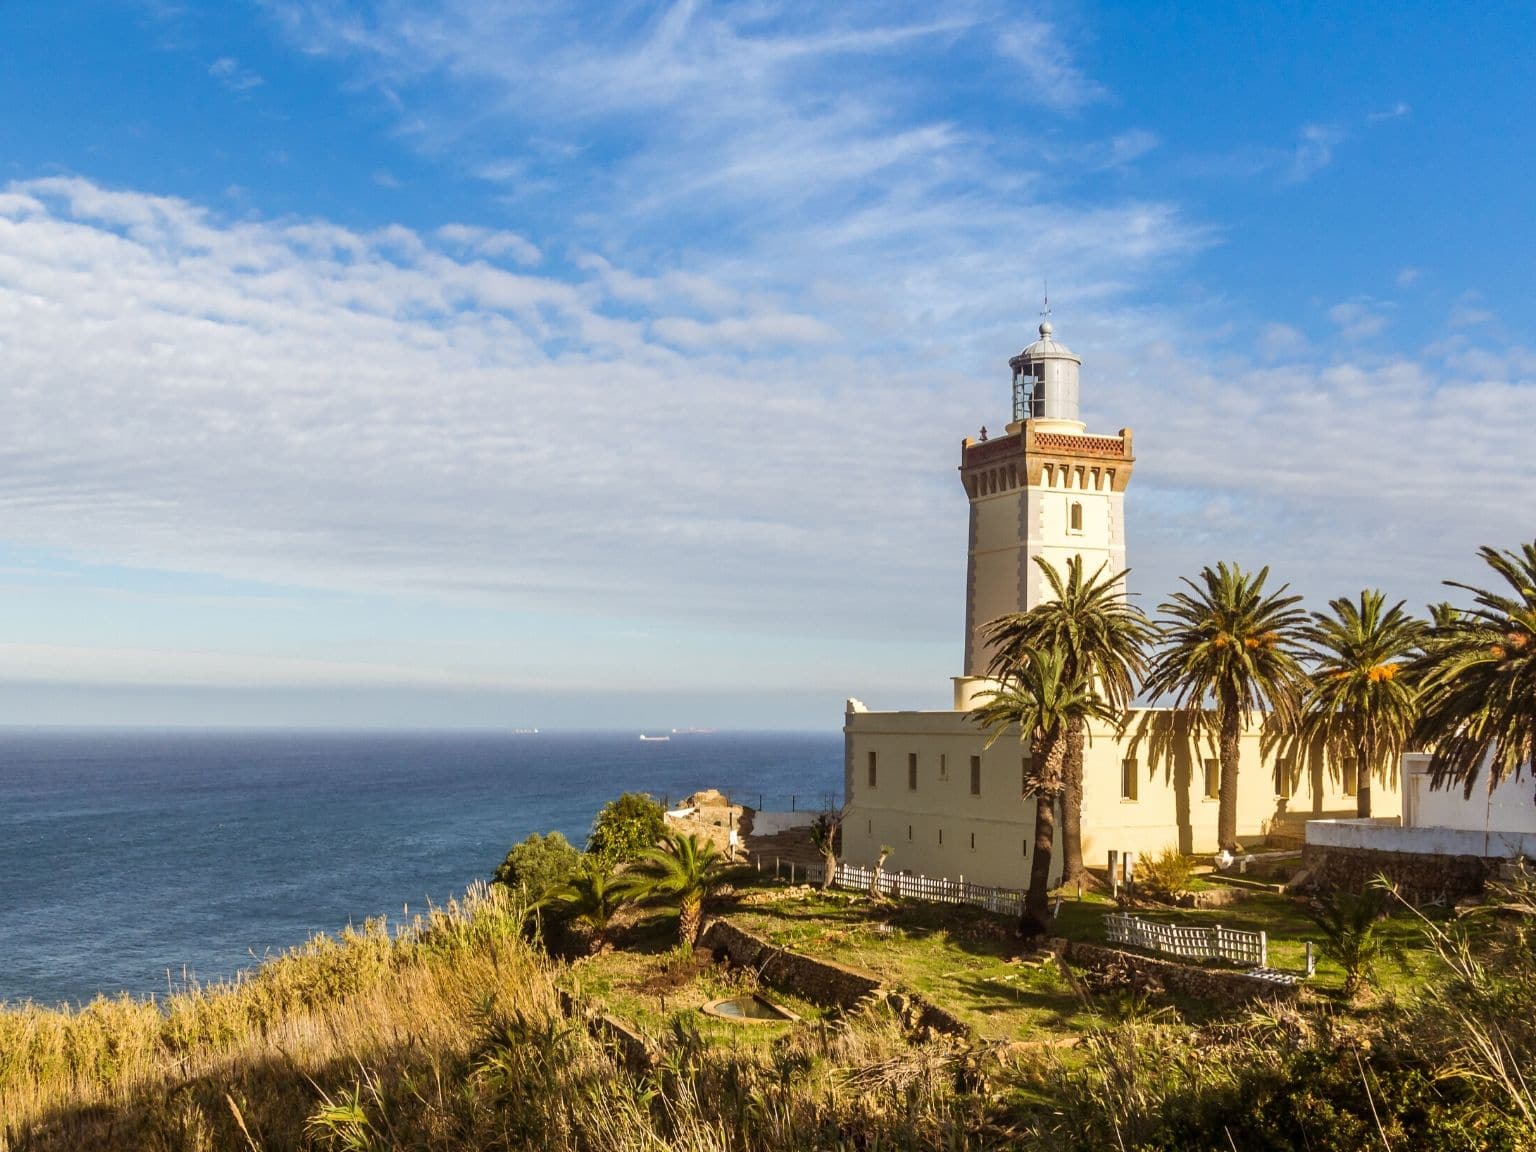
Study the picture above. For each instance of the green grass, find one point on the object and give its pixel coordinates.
(962, 959)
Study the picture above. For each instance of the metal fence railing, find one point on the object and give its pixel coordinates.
(1006, 901)
(1187, 942)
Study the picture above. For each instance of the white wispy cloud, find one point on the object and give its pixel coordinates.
(1047, 68)
(1314, 151)
(1360, 318)
(229, 72)
(304, 404)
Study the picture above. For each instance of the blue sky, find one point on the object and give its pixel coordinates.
(437, 363)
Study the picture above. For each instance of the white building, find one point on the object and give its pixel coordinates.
(1496, 821)
(922, 783)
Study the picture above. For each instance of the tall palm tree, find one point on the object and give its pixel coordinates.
(1038, 696)
(591, 896)
(1225, 641)
(1101, 637)
(684, 869)
(1477, 678)
(1358, 703)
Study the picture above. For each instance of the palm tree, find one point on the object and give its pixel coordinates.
(1358, 704)
(1477, 678)
(1225, 640)
(591, 896)
(1101, 637)
(1038, 696)
(1352, 926)
(685, 869)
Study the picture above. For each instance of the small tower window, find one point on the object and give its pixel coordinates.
(873, 764)
(1213, 779)
(911, 771)
(1075, 517)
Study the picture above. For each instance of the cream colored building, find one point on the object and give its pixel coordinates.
(922, 783)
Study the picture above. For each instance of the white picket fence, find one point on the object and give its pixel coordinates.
(1189, 943)
(1007, 901)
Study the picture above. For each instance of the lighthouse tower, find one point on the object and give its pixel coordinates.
(1044, 488)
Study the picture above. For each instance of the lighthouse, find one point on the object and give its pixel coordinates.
(1045, 488)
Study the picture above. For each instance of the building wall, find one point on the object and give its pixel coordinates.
(942, 828)
(1509, 807)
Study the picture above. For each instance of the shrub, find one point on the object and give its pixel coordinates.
(1165, 876)
(1351, 928)
(539, 865)
(626, 828)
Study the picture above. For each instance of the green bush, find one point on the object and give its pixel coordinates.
(1165, 876)
(626, 827)
(539, 865)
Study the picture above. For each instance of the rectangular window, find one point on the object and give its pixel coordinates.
(973, 841)
(1351, 779)
(1212, 779)
(871, 769)
(941, 837)
(1129, 775)
(1283, 778)
(943, 767)
(911, 771)
(909, 831)
(975, 775)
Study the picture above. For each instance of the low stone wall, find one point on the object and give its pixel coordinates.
(634, 1050)
(1421, 877)
(1224, 989)
(825, 982)
(821, 982)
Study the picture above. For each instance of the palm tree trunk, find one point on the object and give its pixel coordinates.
(1072, 806)
(690, 917)
(1230, 720)
(1363, 783)
(1035, 921)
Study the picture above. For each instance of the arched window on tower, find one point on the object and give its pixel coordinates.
(1075, 517)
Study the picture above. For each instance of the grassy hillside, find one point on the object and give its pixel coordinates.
(448, 1034)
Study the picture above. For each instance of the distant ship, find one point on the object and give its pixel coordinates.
(653, 739)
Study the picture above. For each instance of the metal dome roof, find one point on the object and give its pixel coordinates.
(1047, 348)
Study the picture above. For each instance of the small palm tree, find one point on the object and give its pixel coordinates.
(1358, 704)
(1225, 641)
(684, 869)
(1351, 928)
(1101, 636)
(1038, 696)
(591, 897)
(1477, 678)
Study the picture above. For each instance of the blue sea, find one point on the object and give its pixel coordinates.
(135, 860)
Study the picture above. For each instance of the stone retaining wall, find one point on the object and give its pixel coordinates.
(1224, 989)
(1421, 877)
(821, 982)
(825, 982)
(634, 1050)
